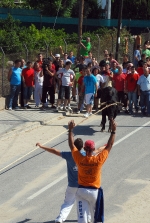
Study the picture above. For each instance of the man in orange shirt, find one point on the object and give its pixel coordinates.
(89, 172)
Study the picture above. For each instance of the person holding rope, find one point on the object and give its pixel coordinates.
(89, 194)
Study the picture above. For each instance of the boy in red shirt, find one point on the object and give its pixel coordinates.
(131, 87)
(28, 77)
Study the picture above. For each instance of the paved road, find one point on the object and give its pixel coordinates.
(32, 188)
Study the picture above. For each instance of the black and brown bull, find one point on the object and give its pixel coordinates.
(108, 97)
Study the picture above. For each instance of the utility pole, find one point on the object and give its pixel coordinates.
(81, 8)
(108, 9)
(119, 28)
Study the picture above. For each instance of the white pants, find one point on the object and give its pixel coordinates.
(70, 197)
(38, 94)
(86, 201)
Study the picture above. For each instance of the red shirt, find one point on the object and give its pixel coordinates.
(80, 81)
(131, 80)
(140, 71)
(119, 81)
(28, 75)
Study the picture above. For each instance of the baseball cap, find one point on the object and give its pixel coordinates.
(89, 144)
(57, 55)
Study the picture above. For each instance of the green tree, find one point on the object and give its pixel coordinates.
(52, 7)
(91, 9)
(135, 9)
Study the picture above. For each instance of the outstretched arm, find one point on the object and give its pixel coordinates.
(51, 150)
(71, 125)
(112, 136)
(99, 150)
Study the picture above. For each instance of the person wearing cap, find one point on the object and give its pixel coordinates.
(56, 60)
(89, 172)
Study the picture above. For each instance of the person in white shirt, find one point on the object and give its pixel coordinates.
(38, 82)
(66, 77)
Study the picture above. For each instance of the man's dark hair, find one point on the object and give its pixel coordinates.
(29, 62)
(125, 55)
(89, 64)
(111, 54)
(78, 143)
(138, 46)
(68, 63)
(84, 67)
(17, 61)
(133, 67)
(143, 55)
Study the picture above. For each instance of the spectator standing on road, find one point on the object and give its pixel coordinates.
(14, 77)
(100, 82)
(48, 73)
(89, 173)
(81, 91)
(71, 57)
(28, 77)
(112, 60)
(119, 85)
(145, 50)
(91, 87)
(38, 82)
(125, 63)
(81, 63)
(66, 79)
(137, 56)
(40, 59)
(85, 47)
(144, 92)
(114, 68)
(23, 65)
(56, 60)
(131, 87)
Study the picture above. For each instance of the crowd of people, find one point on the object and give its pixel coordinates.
(82, 79)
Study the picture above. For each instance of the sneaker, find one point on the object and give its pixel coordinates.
(90, 114)
(127, 111)
(17, 107)
(78, 112)
(28, 107)
(57, 109)
(65, 109)
(69, 108)
(86, 115)
(58, 220)
(9, 108)
(130, 113)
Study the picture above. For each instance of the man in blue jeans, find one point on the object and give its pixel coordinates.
(14, 77)
(144, 92)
